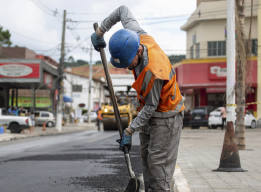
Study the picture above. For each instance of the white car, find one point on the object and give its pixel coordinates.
(215, 119)
(44, 116)
(93, 116)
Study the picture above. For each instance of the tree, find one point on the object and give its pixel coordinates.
(98, 62)
(71, 59)
(4, 39)
(243, 66)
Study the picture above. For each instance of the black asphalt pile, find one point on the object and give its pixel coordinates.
(118, 179)
(116, 149)
(59, 157)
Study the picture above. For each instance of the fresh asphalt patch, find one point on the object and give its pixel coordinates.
(117, 181)
(108, 157)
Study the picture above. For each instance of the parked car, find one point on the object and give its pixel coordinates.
(215, 119)
(45, 116)
(93, 116)
(14, 123)
(186, 120)
(199, 116)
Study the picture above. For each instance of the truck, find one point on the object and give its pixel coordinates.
(14, 123)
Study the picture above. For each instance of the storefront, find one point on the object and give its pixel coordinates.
(203, 82)
(27, 74)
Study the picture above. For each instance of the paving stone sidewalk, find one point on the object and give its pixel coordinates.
(7, 136)
(199, 154)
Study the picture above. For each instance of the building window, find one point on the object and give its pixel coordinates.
(216, 48)
(77, 88)
(254, 46)
(197, 50)
(191, 52)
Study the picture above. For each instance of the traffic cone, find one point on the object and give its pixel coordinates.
(44, 125)
(229, 160)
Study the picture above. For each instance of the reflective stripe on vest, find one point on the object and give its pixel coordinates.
(170, 113)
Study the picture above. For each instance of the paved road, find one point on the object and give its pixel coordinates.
(85, 161)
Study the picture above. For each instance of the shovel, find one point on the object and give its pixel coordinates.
(134, 183)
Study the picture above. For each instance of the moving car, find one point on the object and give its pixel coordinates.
(215, 119)
(93, 116)
(199, 116)
(44, 116)
(14, 123)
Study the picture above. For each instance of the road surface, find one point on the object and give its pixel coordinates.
(83, 161)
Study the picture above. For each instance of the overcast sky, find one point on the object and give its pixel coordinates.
(33, 25)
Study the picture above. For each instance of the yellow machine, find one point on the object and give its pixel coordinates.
(127, 112)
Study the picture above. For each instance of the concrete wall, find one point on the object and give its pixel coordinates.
(213, 30)
(199, 1)
(82, 97)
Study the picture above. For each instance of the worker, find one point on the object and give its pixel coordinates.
(160, 106)
(99, 119)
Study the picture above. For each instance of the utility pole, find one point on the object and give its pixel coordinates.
(60, 73)
(230, 93)
(90, 87)
(240, 83)
(259, 60)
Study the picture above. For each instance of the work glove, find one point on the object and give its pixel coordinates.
(125, 141)
(98, 40)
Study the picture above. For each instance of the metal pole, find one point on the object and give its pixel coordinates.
(100, 94)
(59, 111)
(33, 89)
(231, 52)
(258, 115)
(16, 98)
(90, 87)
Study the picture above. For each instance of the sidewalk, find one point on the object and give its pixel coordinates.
(7, 136)
(199, 154)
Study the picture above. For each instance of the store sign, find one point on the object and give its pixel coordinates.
(217, 71)
(20, 70)
(28, 101)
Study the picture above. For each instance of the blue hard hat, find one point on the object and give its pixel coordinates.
(123, 46)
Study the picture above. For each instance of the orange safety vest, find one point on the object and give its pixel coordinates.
(99, 115)
(159, 67)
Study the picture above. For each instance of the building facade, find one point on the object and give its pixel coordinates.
(77, 87)
(202, 76)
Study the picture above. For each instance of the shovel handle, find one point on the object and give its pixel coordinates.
(111, 90)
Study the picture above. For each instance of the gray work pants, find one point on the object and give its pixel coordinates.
(159, 142)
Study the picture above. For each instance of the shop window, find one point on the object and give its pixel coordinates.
(77, 88)
(197, 50)
(216, 48)
(191, 52)
(254, 46)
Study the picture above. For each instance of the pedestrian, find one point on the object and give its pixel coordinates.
(72, 117)
(223, 115)
(161, 105)
(32, 117)
(99, 119)
(14, 110)
(10, 111)
(19, 111)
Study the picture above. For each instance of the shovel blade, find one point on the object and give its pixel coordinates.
(133, 185)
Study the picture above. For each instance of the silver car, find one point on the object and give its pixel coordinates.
(93, 116)
(45, 116)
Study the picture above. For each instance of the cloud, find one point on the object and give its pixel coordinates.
(28, 19)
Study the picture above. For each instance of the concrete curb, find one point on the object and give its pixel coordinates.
(179, 182)
(13, 136)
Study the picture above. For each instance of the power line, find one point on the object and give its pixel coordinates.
(30, 37)
(202, 14)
